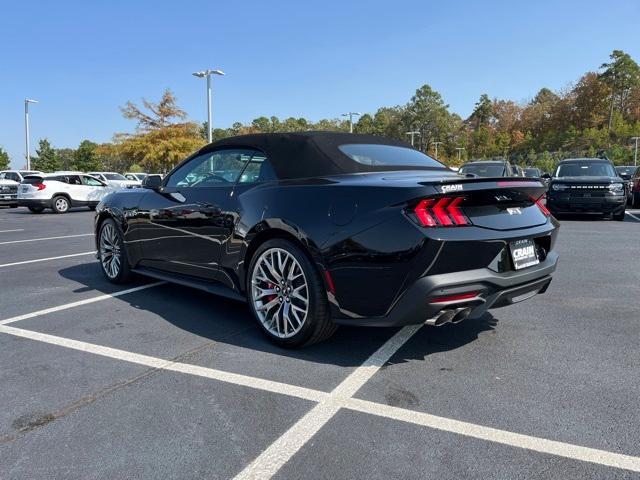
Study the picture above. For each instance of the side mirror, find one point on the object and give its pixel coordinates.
(546, 176)
(153, 182)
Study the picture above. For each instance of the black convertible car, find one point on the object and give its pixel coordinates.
(317, 229)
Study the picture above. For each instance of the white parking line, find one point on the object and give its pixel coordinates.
(279, 452)
(632, 215)
(15, 230)
(46, 259)
(161, 364)
(46, 238)
(78, 303)
(271, 460)
(537, 444)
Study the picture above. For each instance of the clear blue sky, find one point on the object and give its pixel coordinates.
(317, 59)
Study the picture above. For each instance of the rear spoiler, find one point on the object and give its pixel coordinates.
(530, 187)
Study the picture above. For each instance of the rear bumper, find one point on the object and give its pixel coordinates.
(34, 202)
(495, 290)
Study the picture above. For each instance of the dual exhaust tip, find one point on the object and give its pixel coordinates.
(449, 315)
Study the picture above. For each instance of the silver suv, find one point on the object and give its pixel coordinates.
(60, 192)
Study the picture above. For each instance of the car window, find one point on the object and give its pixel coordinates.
(92, 182)
(10, 176)
(114, 176)
(387, 156)
(485, 169)
(219, 167)
(586, 169)
(128, 176)
(258, 170)
(74, 180)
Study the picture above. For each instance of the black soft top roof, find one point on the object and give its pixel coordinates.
(307, 154)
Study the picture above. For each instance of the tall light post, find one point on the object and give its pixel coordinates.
(207, 73)
(635, 155)
(413, 134)
(27, 101)
(350, 115)
(436, 145)
(459, 149)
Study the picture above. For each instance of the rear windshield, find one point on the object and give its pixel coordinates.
(586, 169)
(484, 170)
(374, 155)
(32, 180)
(113, 176)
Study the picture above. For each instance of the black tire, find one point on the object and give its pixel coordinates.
(619, 216)
(316, 325)
(60, 204)
(36, 209)
(123, 273)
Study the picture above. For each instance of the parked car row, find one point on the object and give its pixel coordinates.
(61, 190)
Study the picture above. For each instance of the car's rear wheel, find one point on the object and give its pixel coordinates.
(36, 209)
(287, 295)
(111, 253)
(60, 204)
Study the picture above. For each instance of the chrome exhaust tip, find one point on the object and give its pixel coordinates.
(444, 316)
(461, 314)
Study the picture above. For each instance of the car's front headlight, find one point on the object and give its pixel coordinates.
(616, 188)
(559, 187)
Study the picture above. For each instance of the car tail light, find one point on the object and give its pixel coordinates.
(543, 208)
(40, 186)
(441, 212)
(455, 298)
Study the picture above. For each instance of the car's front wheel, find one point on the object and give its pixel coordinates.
(111, 253)
(287, 295)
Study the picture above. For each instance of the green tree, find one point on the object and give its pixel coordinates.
(427, 113)
(483, 111)
(622, 75)
(5, 161)
(46, 159)
(85, 158)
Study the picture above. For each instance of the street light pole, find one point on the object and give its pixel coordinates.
(350, 115)
(635, 155)
(27, 101)
(459, 149)
(207, 73)
(436, 144)
(413, 134)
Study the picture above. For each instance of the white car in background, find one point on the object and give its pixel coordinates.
(9, 181)
(136, 177)
(61, 191)
(116, 180)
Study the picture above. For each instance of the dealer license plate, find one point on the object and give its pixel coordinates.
(523, 253)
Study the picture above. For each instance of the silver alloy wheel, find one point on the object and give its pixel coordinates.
(279, 293)
(62, 205)
(110, 255)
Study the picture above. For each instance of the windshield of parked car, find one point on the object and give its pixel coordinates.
(484, 169)
(388, 156)
(625, 170)
(531, 172)
(114, 176)
(586, 169)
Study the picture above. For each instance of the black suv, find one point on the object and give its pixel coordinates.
(587, 185)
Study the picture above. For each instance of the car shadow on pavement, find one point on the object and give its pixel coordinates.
(230, 322)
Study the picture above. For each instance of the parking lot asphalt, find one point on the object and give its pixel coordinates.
(152, 380)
